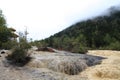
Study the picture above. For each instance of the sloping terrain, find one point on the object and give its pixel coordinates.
(102, 32)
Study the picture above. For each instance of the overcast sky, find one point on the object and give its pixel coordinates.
(47, 17)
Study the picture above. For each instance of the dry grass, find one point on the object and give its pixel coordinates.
(108, 70)
(105, 53)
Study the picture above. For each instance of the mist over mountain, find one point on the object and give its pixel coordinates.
(102, 32)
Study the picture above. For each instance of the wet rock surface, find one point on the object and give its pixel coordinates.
(64, 62)
(59, 65)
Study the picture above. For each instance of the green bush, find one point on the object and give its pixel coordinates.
(79, 49)
(114, 46)
(20, 56)
(9, 44)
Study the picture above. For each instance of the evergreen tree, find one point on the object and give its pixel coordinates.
(5, 33)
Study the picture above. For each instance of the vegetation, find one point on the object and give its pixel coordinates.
(98, 33)
(5, 33)
(8, 40)
(9, 44)
(20, 56)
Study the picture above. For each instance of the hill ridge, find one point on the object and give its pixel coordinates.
(99, 33)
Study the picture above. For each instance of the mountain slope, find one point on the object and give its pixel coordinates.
(98, 33)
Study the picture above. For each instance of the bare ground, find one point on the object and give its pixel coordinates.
(38, 69)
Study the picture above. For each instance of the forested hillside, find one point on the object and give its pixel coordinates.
(99, 33)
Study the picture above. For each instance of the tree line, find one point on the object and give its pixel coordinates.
(99, 33)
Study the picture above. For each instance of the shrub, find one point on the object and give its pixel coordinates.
(20, 56)
(114, 46)
(9, 45)
(79, 49)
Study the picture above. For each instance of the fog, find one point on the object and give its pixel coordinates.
(43, 18)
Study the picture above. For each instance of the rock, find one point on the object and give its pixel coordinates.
(2, 52)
